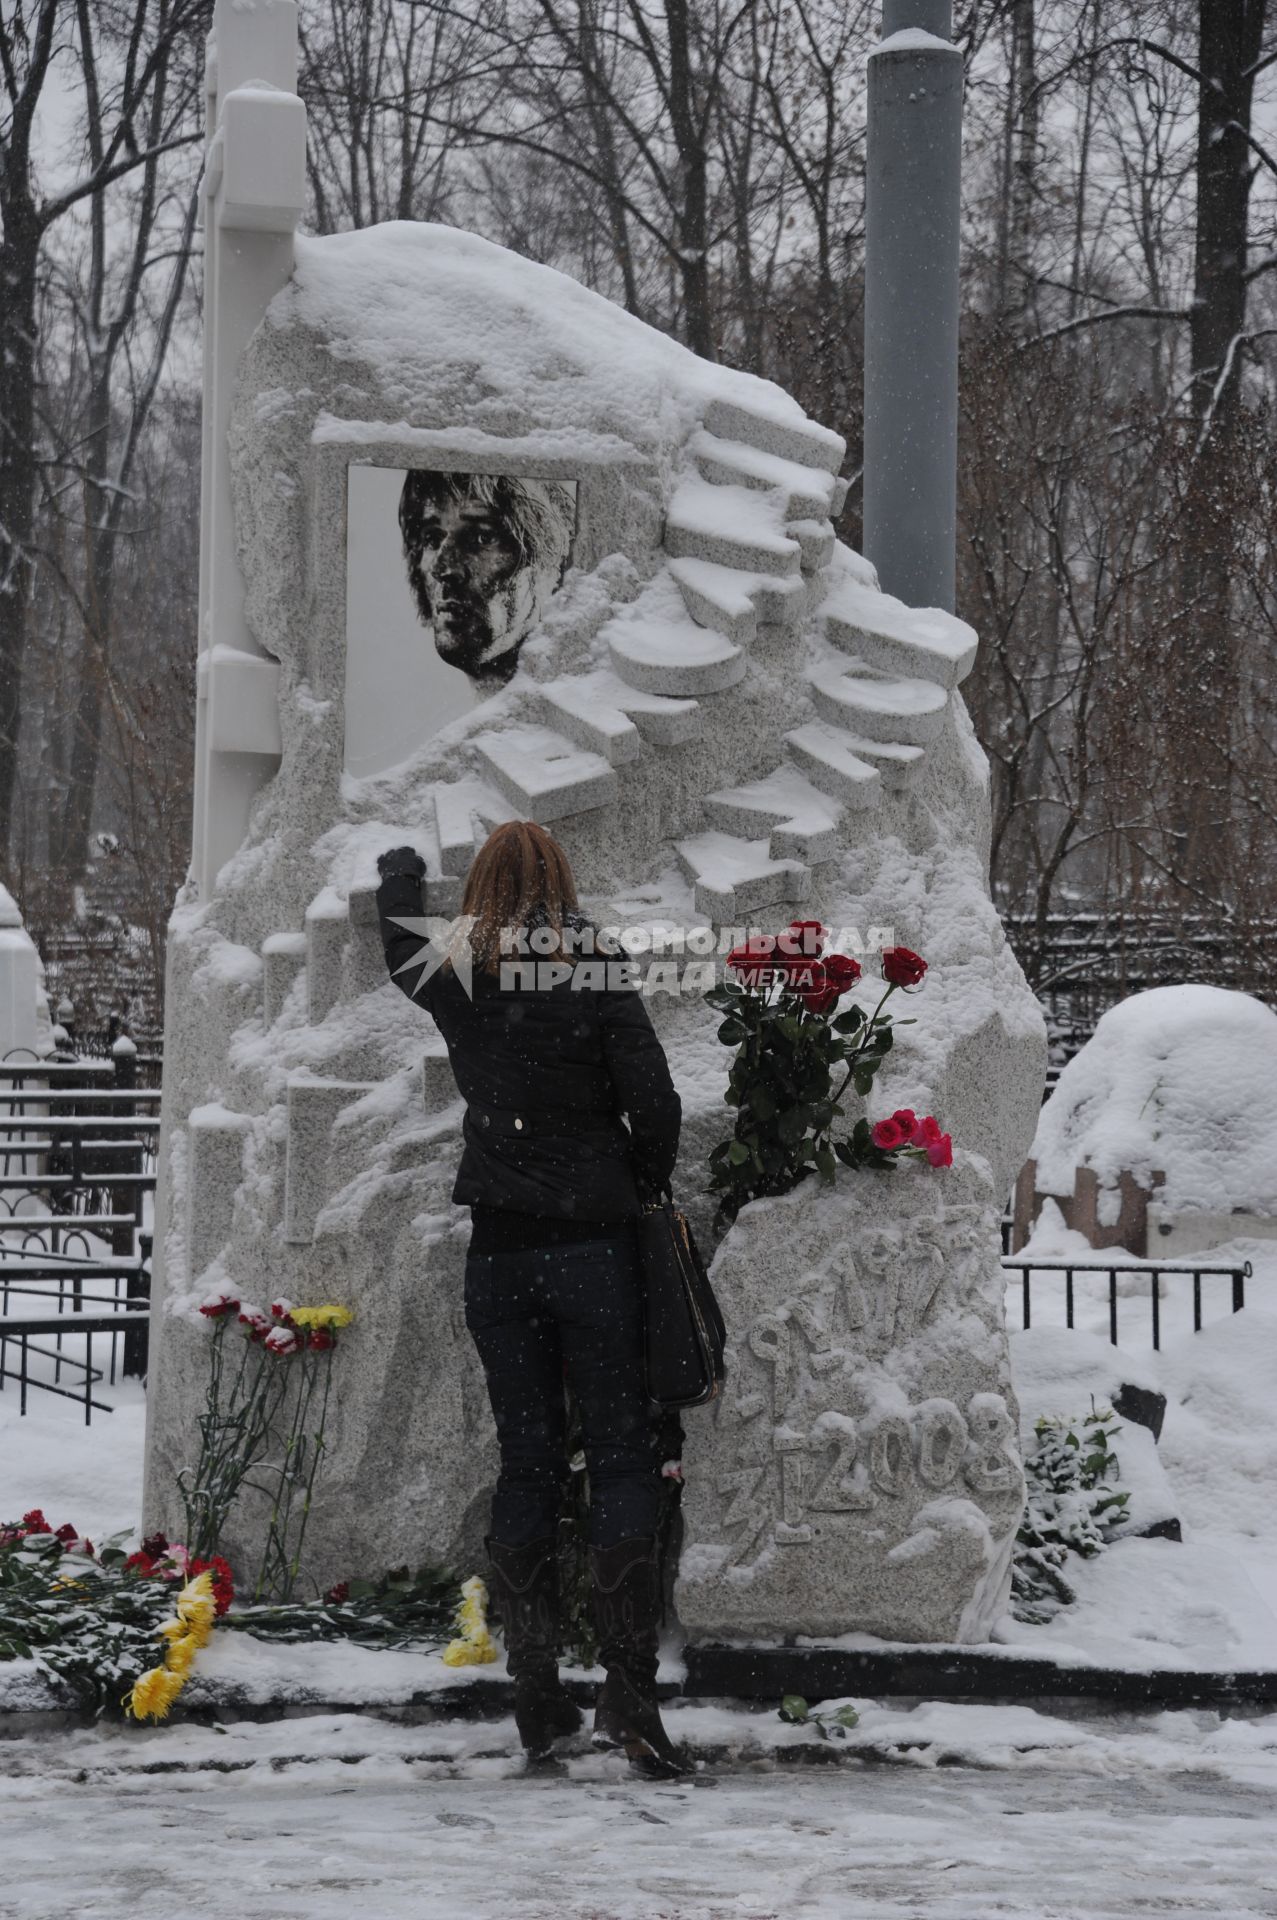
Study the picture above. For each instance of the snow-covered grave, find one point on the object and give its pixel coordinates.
(25, 1025)
(1159, 1135)
(727, 723)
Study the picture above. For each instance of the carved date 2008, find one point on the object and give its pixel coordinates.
(841, 1465)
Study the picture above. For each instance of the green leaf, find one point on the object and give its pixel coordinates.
(738, 1153)
(826, 1165)
(849, 1021)
(732, 1032)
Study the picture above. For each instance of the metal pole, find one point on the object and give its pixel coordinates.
(913, 189)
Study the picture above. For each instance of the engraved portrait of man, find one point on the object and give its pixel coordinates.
(485, 553)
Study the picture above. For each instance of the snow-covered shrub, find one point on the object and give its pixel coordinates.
(1073, 1506)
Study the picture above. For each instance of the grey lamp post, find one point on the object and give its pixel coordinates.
(914, 169)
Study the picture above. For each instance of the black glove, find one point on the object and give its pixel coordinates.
(401, 860)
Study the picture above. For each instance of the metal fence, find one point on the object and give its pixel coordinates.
(78, 1141)
(1044, 1266)
(1083, 962)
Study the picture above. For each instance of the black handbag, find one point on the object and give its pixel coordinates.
(685, 1331)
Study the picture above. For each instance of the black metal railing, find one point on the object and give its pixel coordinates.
(24, 1336)
(1195, 1270)
(78, 1142)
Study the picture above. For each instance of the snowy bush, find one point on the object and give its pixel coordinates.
(1073, 1506)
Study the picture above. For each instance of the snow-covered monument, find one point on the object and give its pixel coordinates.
(727, 723)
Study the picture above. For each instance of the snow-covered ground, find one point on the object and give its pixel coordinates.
(970, 1812)
(937, 1808)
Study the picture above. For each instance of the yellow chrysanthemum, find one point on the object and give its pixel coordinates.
(329, 1315)
(154, 1694)
(181, 1655)
(469, 1653)
(197, 1607)
(474, 1646)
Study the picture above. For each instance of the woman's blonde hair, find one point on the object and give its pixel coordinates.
(520, 877)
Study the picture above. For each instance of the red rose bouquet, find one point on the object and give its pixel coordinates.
(796, 1056)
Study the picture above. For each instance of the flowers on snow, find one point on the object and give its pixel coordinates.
(905, 1132)
(33, 1526)
(220, 1304)
(474, 1645)
(151, 1697)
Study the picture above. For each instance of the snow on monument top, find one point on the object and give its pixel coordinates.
(540, 348)
(1181, 1080)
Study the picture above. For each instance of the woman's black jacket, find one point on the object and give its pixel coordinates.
(546, 1074)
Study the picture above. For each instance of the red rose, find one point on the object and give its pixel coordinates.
(223, 1580)
(35, 1522)
(888, 1135)
(805, 937)
(338, 1595)
(66, 1532)
(817, 995)
(155, 1546)
(907, 1121)
(320, 1339)
(929, 1131)
(141, 1564)
(754, 960)
(841, 971)
(902, 967)
(940, 1152)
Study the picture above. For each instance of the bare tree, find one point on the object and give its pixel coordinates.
(38, 43)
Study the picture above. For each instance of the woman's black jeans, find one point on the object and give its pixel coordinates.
(573, 1313)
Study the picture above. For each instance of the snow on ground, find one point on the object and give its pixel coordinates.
(90, 1475)
(1218, 1447)
(971, 1811)
(954, 1810)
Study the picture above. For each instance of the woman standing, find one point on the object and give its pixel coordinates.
(548, 1060)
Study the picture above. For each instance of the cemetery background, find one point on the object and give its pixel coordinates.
(1080, 483)
(1192, 1626)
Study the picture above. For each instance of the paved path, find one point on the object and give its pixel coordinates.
(393, 1837)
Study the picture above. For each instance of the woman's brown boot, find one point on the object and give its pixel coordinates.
(525, 1587)
(626, 1614)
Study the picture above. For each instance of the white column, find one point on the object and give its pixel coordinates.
(254, 192)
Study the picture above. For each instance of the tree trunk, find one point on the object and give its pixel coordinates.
(1229, 37)
(693, 166)
(19, 258)
(1204, 664)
